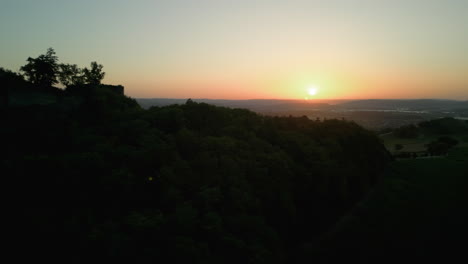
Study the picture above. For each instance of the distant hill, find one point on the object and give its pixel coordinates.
(266, 105)
(257, 105)
(393, 104)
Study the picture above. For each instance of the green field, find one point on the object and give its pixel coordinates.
(409, 144)
(419, 143)
(418, 213)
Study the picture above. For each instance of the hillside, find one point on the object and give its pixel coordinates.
(189, 182)
(414, 105)
(377, 115)
(416, 215)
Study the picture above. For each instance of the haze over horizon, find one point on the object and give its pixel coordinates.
(296, 49)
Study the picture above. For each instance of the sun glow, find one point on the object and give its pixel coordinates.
(312, 90)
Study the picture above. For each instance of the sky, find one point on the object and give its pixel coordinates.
(251, 49)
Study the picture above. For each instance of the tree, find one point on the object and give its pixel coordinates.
(42, 70)
(70, 74)
(409, 131)
(95, 74)
(437, 148)
(448, 140)
(398, 147)
(441, 146)
(8, 81)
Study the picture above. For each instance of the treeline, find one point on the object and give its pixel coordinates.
(445, 126)
(97, 175)
(39, 77)
(45, 71)
(440, 126)
(446, 129)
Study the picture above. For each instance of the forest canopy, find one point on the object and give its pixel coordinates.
(188, 183)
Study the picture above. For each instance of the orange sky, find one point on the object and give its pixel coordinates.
(223, 49)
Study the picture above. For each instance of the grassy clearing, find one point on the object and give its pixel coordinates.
(409, 144)
(419, 143)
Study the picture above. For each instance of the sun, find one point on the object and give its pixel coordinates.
(312, 90)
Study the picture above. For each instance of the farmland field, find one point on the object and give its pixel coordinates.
(418, 143)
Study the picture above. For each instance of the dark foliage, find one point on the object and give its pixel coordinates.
(189, 183)
(98, 176)
(409, 131)
(441, 146)
(45, 71)
(94, 75)
(42, 70)
(444, 126)
(398, 147)
(9, 81)
(71, 75)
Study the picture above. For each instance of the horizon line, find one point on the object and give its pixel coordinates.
(309, 99)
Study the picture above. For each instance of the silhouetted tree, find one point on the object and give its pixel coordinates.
(437, 148)
(95, 74)
(398, 147)
(70, 74)
(445, 126)
(409, 131)
(43, 69)
(441, 146)
(9, 80)
(448, 140)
